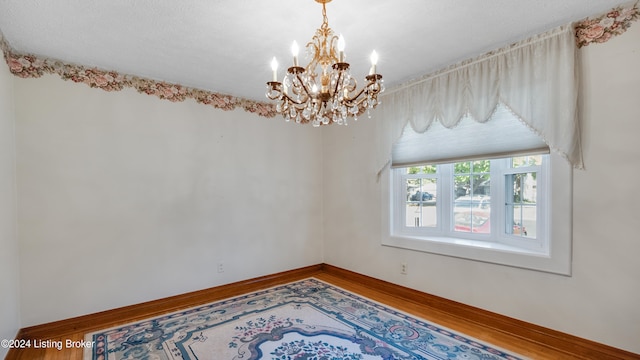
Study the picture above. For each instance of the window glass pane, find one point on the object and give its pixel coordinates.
(521, 161)
(481, 180)
(462, 167)
(462, 185)
(521, 204)
(519, 226)
(426, 169)
(472, 190)
(481, 185)
(482, 166)
(472, 178)
(421, 202)
(471, 221)
(471, 214)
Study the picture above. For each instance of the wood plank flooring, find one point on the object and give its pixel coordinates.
(526, 339)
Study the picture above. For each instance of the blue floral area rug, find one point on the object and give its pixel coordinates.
(304, 320)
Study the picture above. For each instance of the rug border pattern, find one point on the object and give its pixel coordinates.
(101, 347)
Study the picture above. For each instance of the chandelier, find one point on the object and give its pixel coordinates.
(324, 91)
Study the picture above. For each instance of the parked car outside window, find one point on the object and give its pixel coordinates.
(473, 214)
(421, 196)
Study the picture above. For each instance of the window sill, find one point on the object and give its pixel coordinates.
(477, 244)
(484, 251)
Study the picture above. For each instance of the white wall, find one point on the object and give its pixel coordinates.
(9, 249)
(125, 198)
(600, 300)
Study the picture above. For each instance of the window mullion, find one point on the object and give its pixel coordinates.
(446, 177)
(497, 198)
(543, 200)
(398, 198)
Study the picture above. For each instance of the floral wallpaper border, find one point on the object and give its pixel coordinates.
(30, 66)
(603, 28)
(588, 31)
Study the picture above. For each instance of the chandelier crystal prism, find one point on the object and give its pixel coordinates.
(323, 92)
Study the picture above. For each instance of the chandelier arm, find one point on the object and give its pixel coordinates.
(291, 99)
(375, 90)
(335, 91)
(351, 100)
(276, 87)
(295, 102)
(304, 86)
(316, 54)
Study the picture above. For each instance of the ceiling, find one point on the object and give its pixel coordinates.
(226, 46)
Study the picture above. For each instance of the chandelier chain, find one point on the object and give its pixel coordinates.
(325, 19)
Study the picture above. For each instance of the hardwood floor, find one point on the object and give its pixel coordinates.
(523, 338)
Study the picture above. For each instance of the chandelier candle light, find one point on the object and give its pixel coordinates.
(330, 95)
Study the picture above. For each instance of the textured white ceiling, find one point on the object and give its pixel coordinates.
(226, 45)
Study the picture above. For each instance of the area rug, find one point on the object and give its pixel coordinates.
(307, 319)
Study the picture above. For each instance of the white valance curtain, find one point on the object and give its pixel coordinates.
(536, 79)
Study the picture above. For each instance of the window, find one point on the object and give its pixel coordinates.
(455, 200)
(493, 210)
(469, 121)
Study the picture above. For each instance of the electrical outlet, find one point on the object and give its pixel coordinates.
(403, 268)
(220, 267)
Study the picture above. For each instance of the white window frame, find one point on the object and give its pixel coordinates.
(554, 215)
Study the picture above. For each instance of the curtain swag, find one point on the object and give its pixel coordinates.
(537, 79)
